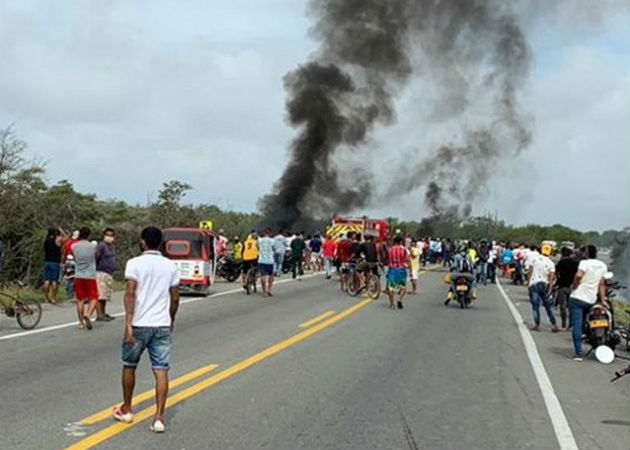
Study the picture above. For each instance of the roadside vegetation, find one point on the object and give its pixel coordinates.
(29, 206)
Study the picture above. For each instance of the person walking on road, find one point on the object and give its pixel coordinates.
(297, 253)
(279, 250)
(85, 286)
(540, 280)
(52, 264)
(492, 264)
(266, 262)
(482, 264)
(344, 254)
(105, 268)
(151, 303)
(566, 269)
(315, 247)
(414, 255)
(250, 256)
(397, 273)
(587, 285)
(329, 249)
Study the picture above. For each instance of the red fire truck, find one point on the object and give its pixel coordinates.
(364, 225)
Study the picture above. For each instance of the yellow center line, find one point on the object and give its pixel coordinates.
(316, 319)
(107, 412)
(119, 427)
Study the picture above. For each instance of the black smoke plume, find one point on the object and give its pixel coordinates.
(470, 51)
(335, 100)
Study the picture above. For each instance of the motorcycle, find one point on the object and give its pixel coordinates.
(599, 331)
(229, 268)
(463, 286)
(516, 273)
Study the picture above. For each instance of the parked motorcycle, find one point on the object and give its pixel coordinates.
(599, 329)
(229, 268)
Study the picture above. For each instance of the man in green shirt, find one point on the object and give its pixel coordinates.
(297, 250)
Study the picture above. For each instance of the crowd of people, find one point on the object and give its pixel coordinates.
(572, 284)
(569, 287)
(85, 266)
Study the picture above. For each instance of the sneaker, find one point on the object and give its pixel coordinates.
(535, 328)
(120, 416)
(157, 426)
(399, 304)
(578, 358)
(102, 319)
(88, 324)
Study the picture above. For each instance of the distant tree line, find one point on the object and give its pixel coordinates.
(29, 206)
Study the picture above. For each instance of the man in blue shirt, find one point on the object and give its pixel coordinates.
(507, 258)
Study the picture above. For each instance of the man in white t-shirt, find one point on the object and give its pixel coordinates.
(541, 278)
(531, 255)
(587, 285)
(151, 302)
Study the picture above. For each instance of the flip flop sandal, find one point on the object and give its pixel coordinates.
(157, 426)
(120, 416)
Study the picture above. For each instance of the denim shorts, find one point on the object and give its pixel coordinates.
(157, 340)
(52, 272)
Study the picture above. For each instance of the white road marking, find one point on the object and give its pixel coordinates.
(561, 427)
(121, 314)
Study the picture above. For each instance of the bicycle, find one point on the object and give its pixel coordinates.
(364, 277)
(27, 312)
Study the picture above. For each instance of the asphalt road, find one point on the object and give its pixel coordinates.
(426, 377)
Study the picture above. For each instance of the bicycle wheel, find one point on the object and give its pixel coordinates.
(28, 313)
(374, 287)
(354, 284)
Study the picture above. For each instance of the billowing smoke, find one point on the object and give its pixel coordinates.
(335, 100)
(472, 52)
(482, 48)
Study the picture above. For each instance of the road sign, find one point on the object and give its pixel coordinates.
(206, 225)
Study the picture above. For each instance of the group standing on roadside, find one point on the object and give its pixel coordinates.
(86, 267)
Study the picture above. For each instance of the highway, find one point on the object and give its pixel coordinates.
(313, 368)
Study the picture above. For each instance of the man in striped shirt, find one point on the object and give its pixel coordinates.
(397, 273)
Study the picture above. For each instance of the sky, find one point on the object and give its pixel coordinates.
(118, 97)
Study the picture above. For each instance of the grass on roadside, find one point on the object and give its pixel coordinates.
(621, 316)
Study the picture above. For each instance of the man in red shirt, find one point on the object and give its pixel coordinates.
(397, 273)
(344, 254)
(67, 247)
(329, 249)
